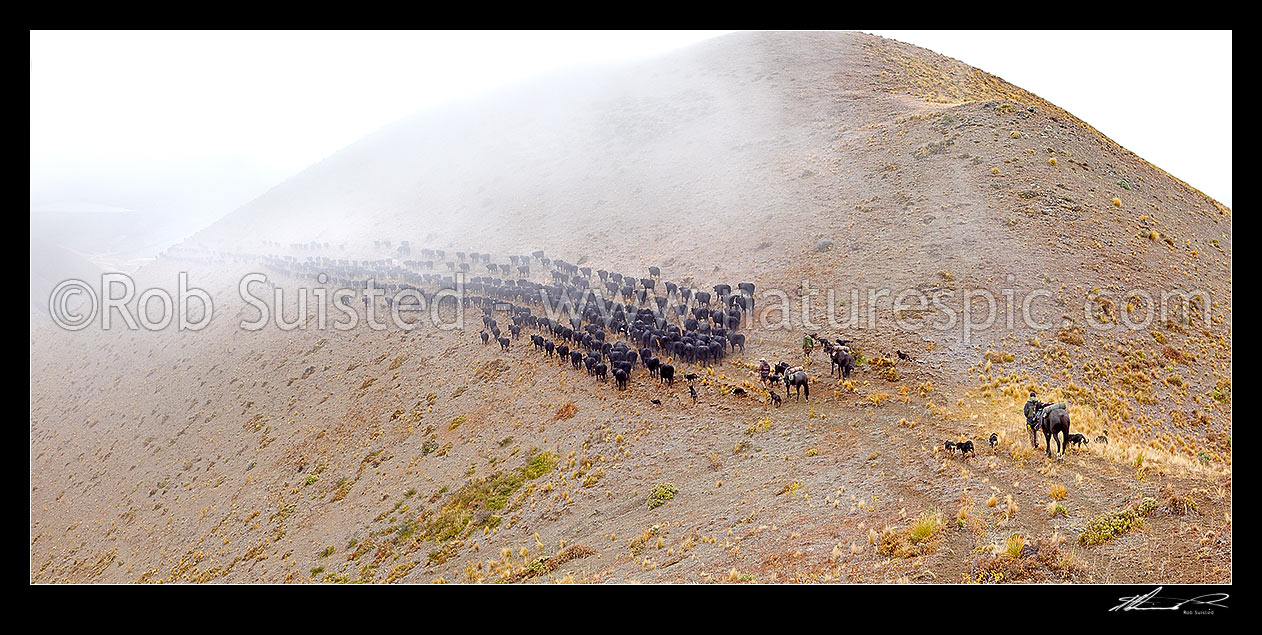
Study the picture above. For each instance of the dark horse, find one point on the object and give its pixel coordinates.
(797, 381)
(1055, 420)
(843, 362)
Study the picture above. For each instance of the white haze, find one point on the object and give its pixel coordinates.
(183, 127)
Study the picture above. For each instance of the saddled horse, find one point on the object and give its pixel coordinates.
(1055, 420)
(797, 380)
(842, 361)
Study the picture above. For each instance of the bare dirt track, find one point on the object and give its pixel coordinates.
(383, 456)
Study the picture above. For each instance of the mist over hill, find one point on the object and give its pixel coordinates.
(795, 161)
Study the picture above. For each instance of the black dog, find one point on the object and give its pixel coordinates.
(1078, 440)
(964, 447)
(775, 398)
(950, 447)
(994, 441)
(1102, 439)
(738, 391)
(692, 390)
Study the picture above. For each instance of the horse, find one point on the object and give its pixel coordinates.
(843, 362)
(799, 383)
(1052, 422)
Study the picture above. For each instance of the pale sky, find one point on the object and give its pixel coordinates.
(208, 120)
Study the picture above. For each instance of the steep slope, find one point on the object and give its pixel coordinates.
(311, 455)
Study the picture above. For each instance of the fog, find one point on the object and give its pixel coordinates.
(140, 140)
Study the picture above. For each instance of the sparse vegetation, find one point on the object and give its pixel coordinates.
(662, 493)
(919, 538)
(1118, 523)
(472, 506)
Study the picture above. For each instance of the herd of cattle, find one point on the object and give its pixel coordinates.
(638, 323)
(608, 323)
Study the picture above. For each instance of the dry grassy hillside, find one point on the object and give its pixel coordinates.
(329, 456)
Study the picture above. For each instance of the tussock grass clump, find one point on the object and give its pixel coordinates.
(789, 488)
(917, 539)
(566, 411)
(1178, 503)
(637, 544)
(1059, 492)
(762, 425)
(343, 488)
(1114, 524)
(1071, 336)
(1020, 559)
(1014, 546)
(548, 564)
(998, 357)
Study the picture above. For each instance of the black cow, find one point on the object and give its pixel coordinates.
(666, 374)
(653, 364)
